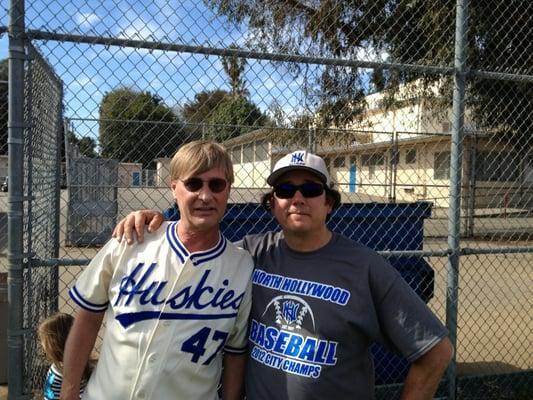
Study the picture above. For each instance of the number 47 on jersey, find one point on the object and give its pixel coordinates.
(196, 344)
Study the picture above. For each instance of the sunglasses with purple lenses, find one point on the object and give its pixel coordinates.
(288, 190)
(216, 185)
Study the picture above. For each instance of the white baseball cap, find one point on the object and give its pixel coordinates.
(300, 160)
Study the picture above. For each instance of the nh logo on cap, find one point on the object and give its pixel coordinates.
(297, 158)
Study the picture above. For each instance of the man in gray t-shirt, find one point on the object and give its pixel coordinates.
(314, 315)
(319, 300)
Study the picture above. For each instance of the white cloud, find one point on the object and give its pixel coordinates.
(140, 30)
(371, 54)
(87, 20)
(84, 82)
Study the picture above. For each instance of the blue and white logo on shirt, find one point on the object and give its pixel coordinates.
(288, 346)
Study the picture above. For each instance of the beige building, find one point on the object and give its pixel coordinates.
(129, 174)
(399, 153)
(162, 172)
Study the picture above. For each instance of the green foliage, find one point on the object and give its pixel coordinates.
(3, 106)
(234, 116)
(199, 110)
(138, 127)
(220, 115)
(500, 38)
(86, 145)
(234, 67)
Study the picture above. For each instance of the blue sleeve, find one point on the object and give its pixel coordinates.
(172, 213)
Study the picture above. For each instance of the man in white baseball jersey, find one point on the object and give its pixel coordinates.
(170, 304)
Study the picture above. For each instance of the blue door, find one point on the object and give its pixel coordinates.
(136, 179)
(353, 176)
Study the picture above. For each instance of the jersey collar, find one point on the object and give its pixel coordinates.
(197, 257)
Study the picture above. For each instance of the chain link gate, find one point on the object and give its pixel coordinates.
(43, 96)
(423, 112)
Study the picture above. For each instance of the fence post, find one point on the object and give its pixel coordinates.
(472, 178)
(57, 204)
(15, 198)
(454, 214)
(311, 137)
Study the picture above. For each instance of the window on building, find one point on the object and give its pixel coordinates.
(248, 153)
(394, 156)
(497, 166)
(261, 150)
(339, 162)
(410, 156)
(371, 171)
(373, 159)
(441, 165)
(236, 154)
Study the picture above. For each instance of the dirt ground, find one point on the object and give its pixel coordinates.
(494, 328)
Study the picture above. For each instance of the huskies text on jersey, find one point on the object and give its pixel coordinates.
(137, 287)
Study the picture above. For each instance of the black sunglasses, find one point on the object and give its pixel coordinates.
(216, 185)
(288, 190)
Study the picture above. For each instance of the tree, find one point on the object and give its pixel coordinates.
(220, 115)
(85, 146)
(500, 38)
(233, 117)
(3, 106)
(137, 127)
(198, 111)
(234, 67)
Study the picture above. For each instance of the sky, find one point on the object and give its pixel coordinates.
(89, 71)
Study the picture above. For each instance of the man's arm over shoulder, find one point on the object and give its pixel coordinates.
(426, 372)
(132, 226)
(78, 348)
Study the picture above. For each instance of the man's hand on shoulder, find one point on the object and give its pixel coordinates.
(134, 223)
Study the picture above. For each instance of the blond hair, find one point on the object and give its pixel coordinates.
(198, 157)
(53, 333)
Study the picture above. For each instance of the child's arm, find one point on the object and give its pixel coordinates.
(78, 348)
(233, 376)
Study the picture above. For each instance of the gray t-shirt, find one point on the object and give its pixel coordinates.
(314, 316)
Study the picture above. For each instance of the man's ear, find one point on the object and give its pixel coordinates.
(329, 203)
(173, 184)
(267, 200)
(272, 201)
(333, 199)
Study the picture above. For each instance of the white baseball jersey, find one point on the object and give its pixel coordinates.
(169, 313)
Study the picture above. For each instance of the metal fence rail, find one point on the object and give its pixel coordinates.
(423, 112)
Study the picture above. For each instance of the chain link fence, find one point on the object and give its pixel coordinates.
(422, 110)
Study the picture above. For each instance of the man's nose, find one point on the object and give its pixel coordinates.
(205, 193)
(298, 197)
